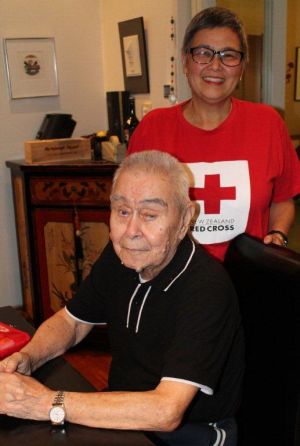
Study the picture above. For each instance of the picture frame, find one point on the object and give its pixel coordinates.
(297, 75)
(134, 55)
(31, 67)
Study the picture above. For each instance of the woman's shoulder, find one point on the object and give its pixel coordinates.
(256, 107)
(261, 111)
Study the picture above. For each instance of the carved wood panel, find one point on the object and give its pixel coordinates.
(62, 191)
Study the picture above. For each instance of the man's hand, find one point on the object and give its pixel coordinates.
(17, 362)
(24, 397)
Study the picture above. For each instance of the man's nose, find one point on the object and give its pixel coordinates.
(133, 227)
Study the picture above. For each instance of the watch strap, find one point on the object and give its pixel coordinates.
(59, 398)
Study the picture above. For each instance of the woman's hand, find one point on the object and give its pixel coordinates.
(282, 216)
(276, 238)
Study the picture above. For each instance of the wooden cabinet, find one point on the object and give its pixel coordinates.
(62, 222)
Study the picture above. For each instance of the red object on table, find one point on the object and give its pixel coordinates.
(11, 340)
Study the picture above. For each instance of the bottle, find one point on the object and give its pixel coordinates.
(97, 141)
(131, 122)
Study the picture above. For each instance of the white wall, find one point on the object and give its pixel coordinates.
(156, 15)
(76, 26)
(89, 64)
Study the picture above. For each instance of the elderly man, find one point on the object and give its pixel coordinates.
(173, 323)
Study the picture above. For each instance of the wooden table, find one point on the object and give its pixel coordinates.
(58, 374)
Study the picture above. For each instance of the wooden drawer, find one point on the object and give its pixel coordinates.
(63, 191)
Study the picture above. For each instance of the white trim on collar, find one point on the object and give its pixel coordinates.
(184, 268)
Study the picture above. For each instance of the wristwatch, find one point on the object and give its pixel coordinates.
(57, 412)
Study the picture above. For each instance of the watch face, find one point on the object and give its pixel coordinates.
(57, 415)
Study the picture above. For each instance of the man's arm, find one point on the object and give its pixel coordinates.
(282, 217)
(158, 409)
(53, 338)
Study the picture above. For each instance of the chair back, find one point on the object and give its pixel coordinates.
(267, 281)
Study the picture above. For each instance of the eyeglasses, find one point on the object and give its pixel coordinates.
(203, 55)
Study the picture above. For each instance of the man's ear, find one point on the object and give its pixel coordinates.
(186, 219)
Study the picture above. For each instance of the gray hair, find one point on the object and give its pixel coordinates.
(159, 163)
(216, 17)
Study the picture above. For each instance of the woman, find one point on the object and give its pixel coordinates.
(244, 169)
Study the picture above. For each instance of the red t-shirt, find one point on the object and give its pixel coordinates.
(237, 170)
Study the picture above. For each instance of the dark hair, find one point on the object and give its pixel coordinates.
(216, 17)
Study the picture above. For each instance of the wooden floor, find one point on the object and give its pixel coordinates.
(92, 359)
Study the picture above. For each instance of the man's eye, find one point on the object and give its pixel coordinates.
(148, 216)
(123, 212)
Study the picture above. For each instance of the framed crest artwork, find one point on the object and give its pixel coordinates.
(31, 67)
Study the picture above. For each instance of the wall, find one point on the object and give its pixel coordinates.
(251, 12)
(89, 64)
(292, 110)
(76, 26)
(156, 15)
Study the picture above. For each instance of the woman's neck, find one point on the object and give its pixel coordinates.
(206, 116)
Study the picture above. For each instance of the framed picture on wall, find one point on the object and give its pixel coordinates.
(297, 75)
(134, 55)
(31, 67)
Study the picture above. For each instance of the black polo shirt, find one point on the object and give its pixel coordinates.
(183, 325)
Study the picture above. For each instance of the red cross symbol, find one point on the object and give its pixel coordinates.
(212, 194)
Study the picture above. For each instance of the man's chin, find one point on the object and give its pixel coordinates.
(132, 265)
